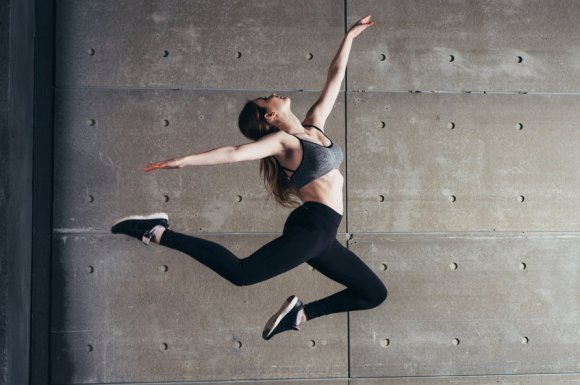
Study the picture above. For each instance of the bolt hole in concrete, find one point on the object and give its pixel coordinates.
(525, 340)
(164, 268)
(91, 122)
(383, 267)
(310, 56)
(520, 126)
(163, 347)
(451, 58)
(238, 55)
(166, 122)
(523, 266)
(312, 343)
(452, 198)
(456, 341)
(453, 266)
(91, 51)
(383, 124)
(451, 125)
(238, 344)
(238, 198)
(520, 59)
(382, 57)
(385, 342)
(165, 198)
(521, 198)
(91, 198)
(91, 269)
(165, 53)
(89, 348)
(381, 198)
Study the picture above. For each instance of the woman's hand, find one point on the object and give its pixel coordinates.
(360, 26)
(165, 164)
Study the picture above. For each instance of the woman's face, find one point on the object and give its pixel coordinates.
(273, 103)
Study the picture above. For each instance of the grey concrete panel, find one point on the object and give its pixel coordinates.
(510, 300)
(462, 162)
(103, 138)
(318, 381)
(201, 44)
(126, 300)
(411, 45)
(536, 379)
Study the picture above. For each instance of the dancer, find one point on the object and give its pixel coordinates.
(298, 163)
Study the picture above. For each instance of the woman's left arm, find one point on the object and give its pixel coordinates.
(320, 110)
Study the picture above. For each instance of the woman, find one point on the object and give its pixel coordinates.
(298, 162)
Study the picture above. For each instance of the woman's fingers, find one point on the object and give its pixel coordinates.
(361, 25)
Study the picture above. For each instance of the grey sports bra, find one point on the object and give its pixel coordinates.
(317, 160)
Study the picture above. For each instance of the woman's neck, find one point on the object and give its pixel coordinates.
(290, 123)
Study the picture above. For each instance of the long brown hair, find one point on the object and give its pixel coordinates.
(254, 125)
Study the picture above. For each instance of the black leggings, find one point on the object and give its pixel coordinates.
(309, 235)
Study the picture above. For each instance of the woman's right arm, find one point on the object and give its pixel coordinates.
(268, 145)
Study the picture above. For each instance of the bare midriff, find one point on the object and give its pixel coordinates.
(327, 190)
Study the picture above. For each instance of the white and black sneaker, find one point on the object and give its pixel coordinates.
(287, 318)
(142, 227)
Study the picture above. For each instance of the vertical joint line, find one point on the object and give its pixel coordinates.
(346, 178)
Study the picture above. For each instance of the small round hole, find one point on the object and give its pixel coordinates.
(238, 55)
(453, 266)
(238, 198)
(385, 342)
(166, 122)
(456, 341)
(520, 126)
(91, 122)
(520, 59)
(165, 53)
(451, 58)
(382, 57)
(452, 198)
(381, 198)
(525, 340)
(521, 199)
(164, 268)
(310, 56)
(451, 125)
(165, 198)
(523, 266)
(383, 267)
(201, 117)
(412, 120)
(163, 346)
(89, 348)
(91, 198)
(91, 52)
(383, 124)
(238, 344)
(312, 343)
(91, 269)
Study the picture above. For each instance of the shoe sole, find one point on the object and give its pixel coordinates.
(143, 217)
(276, 318)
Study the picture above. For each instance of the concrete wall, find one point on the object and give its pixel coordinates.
(459, 125)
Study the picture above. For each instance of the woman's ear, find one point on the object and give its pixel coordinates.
(270, 116)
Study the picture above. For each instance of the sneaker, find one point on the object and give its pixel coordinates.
(141, 227)
(287, 318)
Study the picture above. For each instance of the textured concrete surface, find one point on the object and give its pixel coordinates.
(440, 188)
(462, 162)
(469, 305)
(201, 44)
(472, 45)
(473, 380)
(138, 314)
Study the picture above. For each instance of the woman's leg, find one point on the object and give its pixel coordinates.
(364, 290)
(304, 237)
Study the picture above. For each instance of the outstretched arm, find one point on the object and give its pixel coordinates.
(320, 110)
(268, 145)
